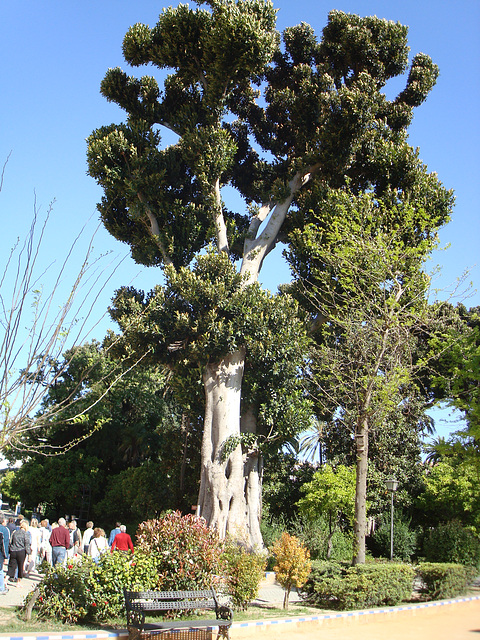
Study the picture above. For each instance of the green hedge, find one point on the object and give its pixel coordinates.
(444, 580)
(452, 542)
(334, 586)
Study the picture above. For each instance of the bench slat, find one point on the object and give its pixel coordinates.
(170, 595)
(165, 605)
(138, 603)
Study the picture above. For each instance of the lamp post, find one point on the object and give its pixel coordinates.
(392, 485)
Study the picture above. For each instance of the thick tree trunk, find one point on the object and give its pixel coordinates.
(230, 486)
(360, 525)
(221, 498)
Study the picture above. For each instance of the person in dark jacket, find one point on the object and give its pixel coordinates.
(20, 547)
(6, 534)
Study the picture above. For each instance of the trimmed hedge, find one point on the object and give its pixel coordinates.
(334, 586)
(444, 580)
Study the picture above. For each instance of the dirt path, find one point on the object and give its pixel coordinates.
(459, 621)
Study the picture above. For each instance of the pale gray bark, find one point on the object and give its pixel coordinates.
(222, 498)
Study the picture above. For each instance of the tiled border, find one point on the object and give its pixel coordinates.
(100, 635)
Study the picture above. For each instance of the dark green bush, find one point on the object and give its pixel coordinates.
(404, 538)
(334, 586)
(243, 573)
(444, 580)
(452, 542)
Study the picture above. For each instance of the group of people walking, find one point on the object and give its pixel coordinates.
(25, 545)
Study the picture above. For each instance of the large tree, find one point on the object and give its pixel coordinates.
(323, 119)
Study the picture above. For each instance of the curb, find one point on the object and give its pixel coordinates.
(257, 625)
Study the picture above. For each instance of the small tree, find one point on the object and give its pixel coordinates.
(293, 563)
(331, 492)
(244, 571)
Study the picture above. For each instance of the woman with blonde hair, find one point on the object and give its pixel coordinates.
(45, 549)
(98, 544)
(35, 538)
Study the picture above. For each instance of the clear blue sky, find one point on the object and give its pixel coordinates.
(55, 53)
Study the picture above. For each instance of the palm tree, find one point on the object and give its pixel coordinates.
(313, 442)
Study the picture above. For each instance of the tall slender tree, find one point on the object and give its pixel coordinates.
(368, 293)
(323, 119)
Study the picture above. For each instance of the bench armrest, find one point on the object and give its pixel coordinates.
(223, 612)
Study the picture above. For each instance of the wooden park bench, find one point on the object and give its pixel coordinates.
(140, 603)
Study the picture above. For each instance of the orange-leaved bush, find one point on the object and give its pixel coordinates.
(293, 565)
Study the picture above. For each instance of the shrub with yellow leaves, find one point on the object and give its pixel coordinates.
(293, 564)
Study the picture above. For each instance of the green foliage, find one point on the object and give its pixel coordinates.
(404, 538)
(333, 586)
(243, 572)
(452, 490)
(330, 492)
(284, 477)
(444, 580)
(452, 542)
(185, 552)
(136, 493)
(205, 312)
(140, 444)
(457, 370)
(322, 544)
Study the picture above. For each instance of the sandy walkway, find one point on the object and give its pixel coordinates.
(459, 621)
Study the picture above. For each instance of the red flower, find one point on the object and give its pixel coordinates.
(70, 566)
(41, 599)
(94, 604)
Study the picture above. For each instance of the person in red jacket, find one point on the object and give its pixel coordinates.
(122, 541)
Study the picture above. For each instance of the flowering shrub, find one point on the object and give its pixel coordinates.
(65, 594)
(88, 591)
(185, 552)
